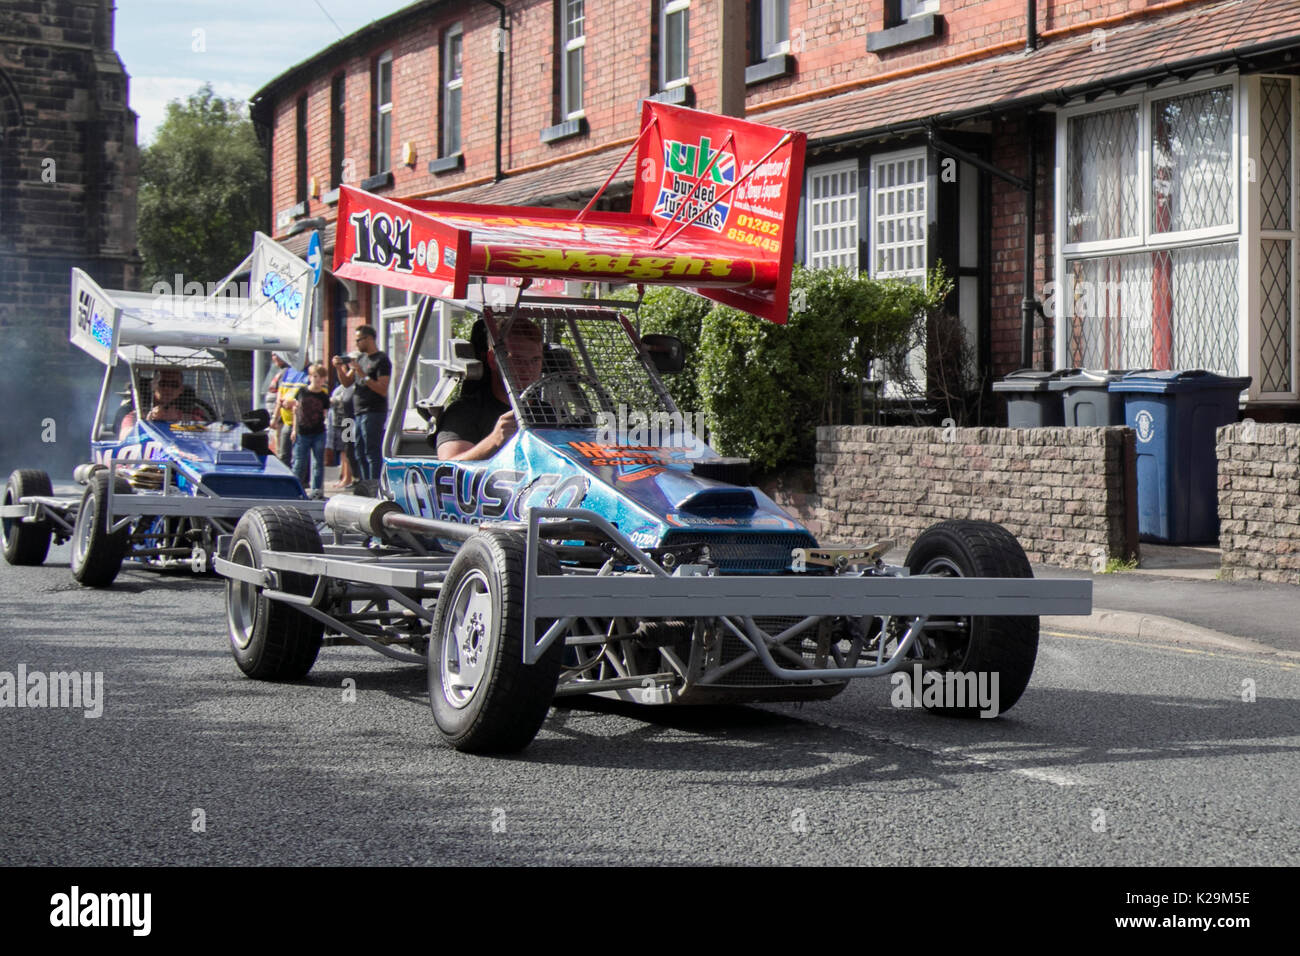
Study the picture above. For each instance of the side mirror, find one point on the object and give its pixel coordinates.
(666, 352)
(257, 420)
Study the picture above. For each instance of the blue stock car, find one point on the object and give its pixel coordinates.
(174, 463)
(606, 549)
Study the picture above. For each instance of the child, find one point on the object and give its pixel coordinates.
(309, 429)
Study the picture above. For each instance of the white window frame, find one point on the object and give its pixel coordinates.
(916, 358)
(671, 8)
(1254, 234)
(452, 85)
(569, 45)
(833, 169)
(772, 23)
(1146, 239)
(383, 114)
(889, 159)
(907, 9)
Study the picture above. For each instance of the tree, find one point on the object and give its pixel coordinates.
(202, 190)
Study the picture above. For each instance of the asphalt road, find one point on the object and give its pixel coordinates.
(1120, 752)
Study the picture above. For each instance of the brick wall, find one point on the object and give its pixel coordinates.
(1065, 493)
(1259, 501)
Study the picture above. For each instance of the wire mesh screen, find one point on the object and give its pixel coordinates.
(589, 366)
(1191, 161)
(1275, 315)
(172, 393)
(1168, 308)
(1102, 184)
(1275, 153)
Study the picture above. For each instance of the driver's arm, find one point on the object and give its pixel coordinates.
(459, 449)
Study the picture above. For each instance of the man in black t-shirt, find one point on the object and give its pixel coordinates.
(370, 374)
(478, 424)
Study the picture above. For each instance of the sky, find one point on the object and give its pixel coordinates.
(171, 47)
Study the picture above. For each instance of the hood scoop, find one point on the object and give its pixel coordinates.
(691, 493)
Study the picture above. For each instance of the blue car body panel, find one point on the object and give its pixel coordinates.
(648, 492)
(212, 454)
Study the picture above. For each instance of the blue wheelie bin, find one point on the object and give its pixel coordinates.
(1174, 415)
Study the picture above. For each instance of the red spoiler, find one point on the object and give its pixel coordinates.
(714, 210)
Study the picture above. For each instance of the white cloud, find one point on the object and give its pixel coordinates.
(150, 95)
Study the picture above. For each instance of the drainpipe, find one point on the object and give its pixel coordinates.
(1031, 26)
(1029, 306)
(501, 70)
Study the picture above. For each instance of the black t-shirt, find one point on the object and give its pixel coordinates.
(471, 418)
(310, 413)
(375, 365)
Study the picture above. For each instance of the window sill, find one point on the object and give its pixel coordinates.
(776, 65)
(447, 164)
(569, 128)
(285, 216)
(914, 30)
(377, 181)
(331, 197)
(681, 95)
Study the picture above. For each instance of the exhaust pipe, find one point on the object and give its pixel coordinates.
(379, 517)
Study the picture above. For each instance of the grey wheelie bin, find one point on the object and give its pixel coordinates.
(1031, 402)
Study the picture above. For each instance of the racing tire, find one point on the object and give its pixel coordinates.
(1002, 647)
(272, 640)
(485, 699)
(26, 542)
(96, 553)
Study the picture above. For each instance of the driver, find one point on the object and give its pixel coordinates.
(172, 402)
(475, 426)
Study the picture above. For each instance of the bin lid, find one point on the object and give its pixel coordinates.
(1088, 378)
(1179, 380)
(1031, 380)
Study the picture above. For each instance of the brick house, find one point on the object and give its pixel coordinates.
(1135, 159)
(68, 174)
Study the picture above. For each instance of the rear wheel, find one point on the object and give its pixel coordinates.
(97, 553)
(485, 699)
(998, 651)
(26, 542)
(272, 640)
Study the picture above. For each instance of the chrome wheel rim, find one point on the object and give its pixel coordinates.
(242, 599)
(467, 640)
(85, 528)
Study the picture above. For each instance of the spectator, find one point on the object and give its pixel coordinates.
(291, 382)
(309, 410)
(370, 375)
(339, 435)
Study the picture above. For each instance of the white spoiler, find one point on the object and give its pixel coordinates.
(276, 314)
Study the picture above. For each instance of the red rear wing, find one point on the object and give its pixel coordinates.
(714, 208)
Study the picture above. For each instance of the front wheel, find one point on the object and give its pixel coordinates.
(26, 542)
(272, 640)
(485, 699)
(998, 651)
(97, 552)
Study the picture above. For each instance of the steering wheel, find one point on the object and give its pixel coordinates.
(531, 398)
